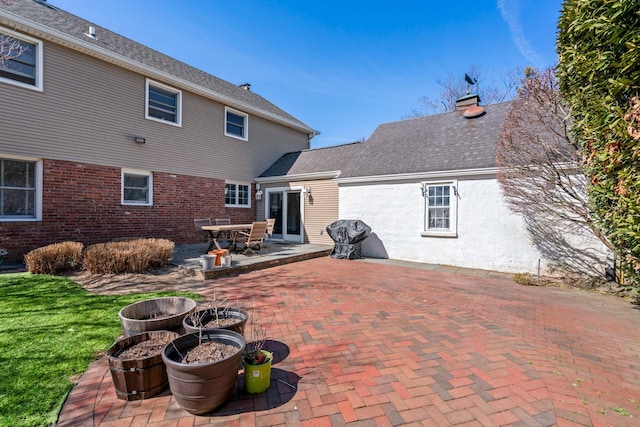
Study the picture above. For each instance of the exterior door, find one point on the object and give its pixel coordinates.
(286, 207)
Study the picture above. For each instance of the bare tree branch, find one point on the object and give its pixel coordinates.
(491, 91)
(542, 178)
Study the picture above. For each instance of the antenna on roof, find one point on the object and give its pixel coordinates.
(470, 82)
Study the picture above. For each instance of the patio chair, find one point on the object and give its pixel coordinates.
(271, 222)
(201, 222)
(225, 234)
(252, 240)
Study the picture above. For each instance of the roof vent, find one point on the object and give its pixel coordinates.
(91, 33)
(473, 112)
(246, 86)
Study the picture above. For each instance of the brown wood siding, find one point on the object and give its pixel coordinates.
(90, 111)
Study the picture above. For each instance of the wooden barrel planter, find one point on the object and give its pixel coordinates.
(200, 388)
(156, 314)
(231, 318)
(143, 377)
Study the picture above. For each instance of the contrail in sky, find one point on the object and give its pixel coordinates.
(510, 11)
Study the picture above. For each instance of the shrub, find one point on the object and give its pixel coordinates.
(55, 259)
(599, 71)
(130, 256)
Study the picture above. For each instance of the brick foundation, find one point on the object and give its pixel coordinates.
(81, 202)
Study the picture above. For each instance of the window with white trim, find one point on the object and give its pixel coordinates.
(236, 194)
(440, 208)
(164, 103)
(20, 60)
(137, 187)
(235, 123)
(20, 189)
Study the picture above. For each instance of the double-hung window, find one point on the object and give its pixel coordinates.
(137, 188)
(20, 60)
(20, 189)
(164, 103)
(235, 123)
(440, 209)
(237, 195)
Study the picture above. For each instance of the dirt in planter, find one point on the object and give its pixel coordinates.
(220, 322)
(143, 349)
(156, 316)
(209, 352)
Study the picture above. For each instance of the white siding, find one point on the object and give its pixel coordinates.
(490, 237)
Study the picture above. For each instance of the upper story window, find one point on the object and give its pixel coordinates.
(236, 123)
(440, 209)
(137, 188)
(237, 195)
(20, 60)
(20, 189)
(164, 103)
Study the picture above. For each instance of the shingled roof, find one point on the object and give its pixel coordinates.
(436, 143)
(44, 20)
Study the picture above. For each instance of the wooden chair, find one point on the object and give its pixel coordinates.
(271, 222)
(253, 239)
(201, 222)
(225, 234)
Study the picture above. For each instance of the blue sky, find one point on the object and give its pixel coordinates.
(342, 67)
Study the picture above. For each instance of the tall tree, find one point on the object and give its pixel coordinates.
(491, 90)
(599, 71)
(541, 175)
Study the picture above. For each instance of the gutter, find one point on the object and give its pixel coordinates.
(27, 26)
(299, 177)
(461, 173)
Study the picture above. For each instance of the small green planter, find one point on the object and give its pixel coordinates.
(257, 378)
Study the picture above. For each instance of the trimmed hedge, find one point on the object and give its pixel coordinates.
(55, 259)
(130, 256)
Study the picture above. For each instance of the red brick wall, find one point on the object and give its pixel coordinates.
(81, 202)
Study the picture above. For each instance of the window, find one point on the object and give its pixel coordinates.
(164, 103)
(20, 194)
(235, 124)
(137, 188)
(440, 210)
(237, 195)
(22, 65)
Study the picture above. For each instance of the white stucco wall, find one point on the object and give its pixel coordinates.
(490, 237)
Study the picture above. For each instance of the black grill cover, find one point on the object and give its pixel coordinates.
(348, 235)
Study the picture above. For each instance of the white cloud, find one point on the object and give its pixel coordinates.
(510, 11)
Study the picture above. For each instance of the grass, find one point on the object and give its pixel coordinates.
(50, 330)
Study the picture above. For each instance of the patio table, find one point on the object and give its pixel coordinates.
(216, 230)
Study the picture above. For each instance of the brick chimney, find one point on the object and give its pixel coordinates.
(467, 101)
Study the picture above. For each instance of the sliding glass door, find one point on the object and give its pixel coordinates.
(285, 205)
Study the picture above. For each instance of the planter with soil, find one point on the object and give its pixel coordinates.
(136, 365)
(203, 367)
(230, 318)
(155, 314)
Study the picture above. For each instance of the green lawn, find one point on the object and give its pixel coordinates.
(50, 330)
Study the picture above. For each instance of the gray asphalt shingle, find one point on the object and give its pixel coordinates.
(440, 142)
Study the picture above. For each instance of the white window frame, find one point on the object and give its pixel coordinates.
(137, 172)
(38, 85)
(173, 90)
(236, 204)
(38, 191)
(452, 231)
(245, 136)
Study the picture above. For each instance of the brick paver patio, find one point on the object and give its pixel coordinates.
(362, 344)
